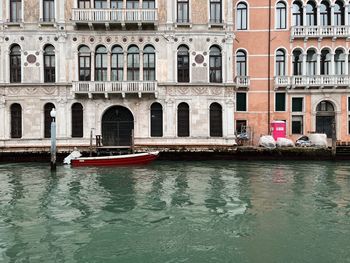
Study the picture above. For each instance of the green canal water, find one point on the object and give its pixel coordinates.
(176, 212)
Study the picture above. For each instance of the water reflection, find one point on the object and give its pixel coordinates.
(120, 186)
(175, 211)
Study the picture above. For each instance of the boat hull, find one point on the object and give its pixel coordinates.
(119, 160)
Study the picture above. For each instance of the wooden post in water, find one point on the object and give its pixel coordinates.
(132, 141)
(91, 142)
(53, 140)
(334, 138)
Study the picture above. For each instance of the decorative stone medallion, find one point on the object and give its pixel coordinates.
(31, 58)
(199, 59)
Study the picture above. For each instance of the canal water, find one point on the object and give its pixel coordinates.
(176, 212)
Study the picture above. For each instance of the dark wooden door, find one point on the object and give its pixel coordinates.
(324, 125)
(117, 126)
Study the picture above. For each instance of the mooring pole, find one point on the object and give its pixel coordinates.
(91, 142)
(53, 140)
(334, 139)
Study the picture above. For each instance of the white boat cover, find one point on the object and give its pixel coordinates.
(73, 155)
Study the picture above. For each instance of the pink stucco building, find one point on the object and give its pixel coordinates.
(295, 66)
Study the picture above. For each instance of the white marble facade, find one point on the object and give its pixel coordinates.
(165, 35)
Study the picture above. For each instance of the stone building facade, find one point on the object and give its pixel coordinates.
(184, 72)
(160, 68)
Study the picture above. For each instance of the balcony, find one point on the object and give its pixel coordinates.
(108, 88)
(320, 32)
(109, 17)
(242, 82)
(319, 81)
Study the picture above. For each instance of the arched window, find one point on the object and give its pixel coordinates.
(84, 64)
(15, 10)
(156, 120)
(47, 119)
(215, 64)
(242, 16)
(280, 62)
(117, 64)
(77, 120)
(101, 64)
(183, 120)
(183, 66)
(311, 14)
(339, 62)
(339, 16)
(325, 106)
(311, 62)
(49, 10)
(215, 11)
(325, 13)
(16, 120)
(15, 64)
(149, 63)
(100, 4)
(241, 63)
(325, 62)
(133, 63)
(297, 13)
(215, 120)
(281, 15)
(297, 63)
(83, 3)
(49, 64)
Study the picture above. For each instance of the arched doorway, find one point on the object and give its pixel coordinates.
(117, 126)
(325, 116)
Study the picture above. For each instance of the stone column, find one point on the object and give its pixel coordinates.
(229, 132)
(304, 64)
(2, 116)
(346, 68)
(59, 10)
(229, 59)
(332, 14)
(318, 18)
(6, 69)
(141, 66)
(2, 71)
(93, 66)
(346, 17)
(332, 68)
(318, 64)
(170, 119)
(125, 68)
(109, 66)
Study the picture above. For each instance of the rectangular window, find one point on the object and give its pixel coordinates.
(15, 10)
(241, 126)
(280, 101)
(116, 4)
(49, 11)
(241, 101)
(348, 103)
(297, 104)
(297, 124)
(100, 4)
(215, 11)
(182, 11)
(84, 4)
